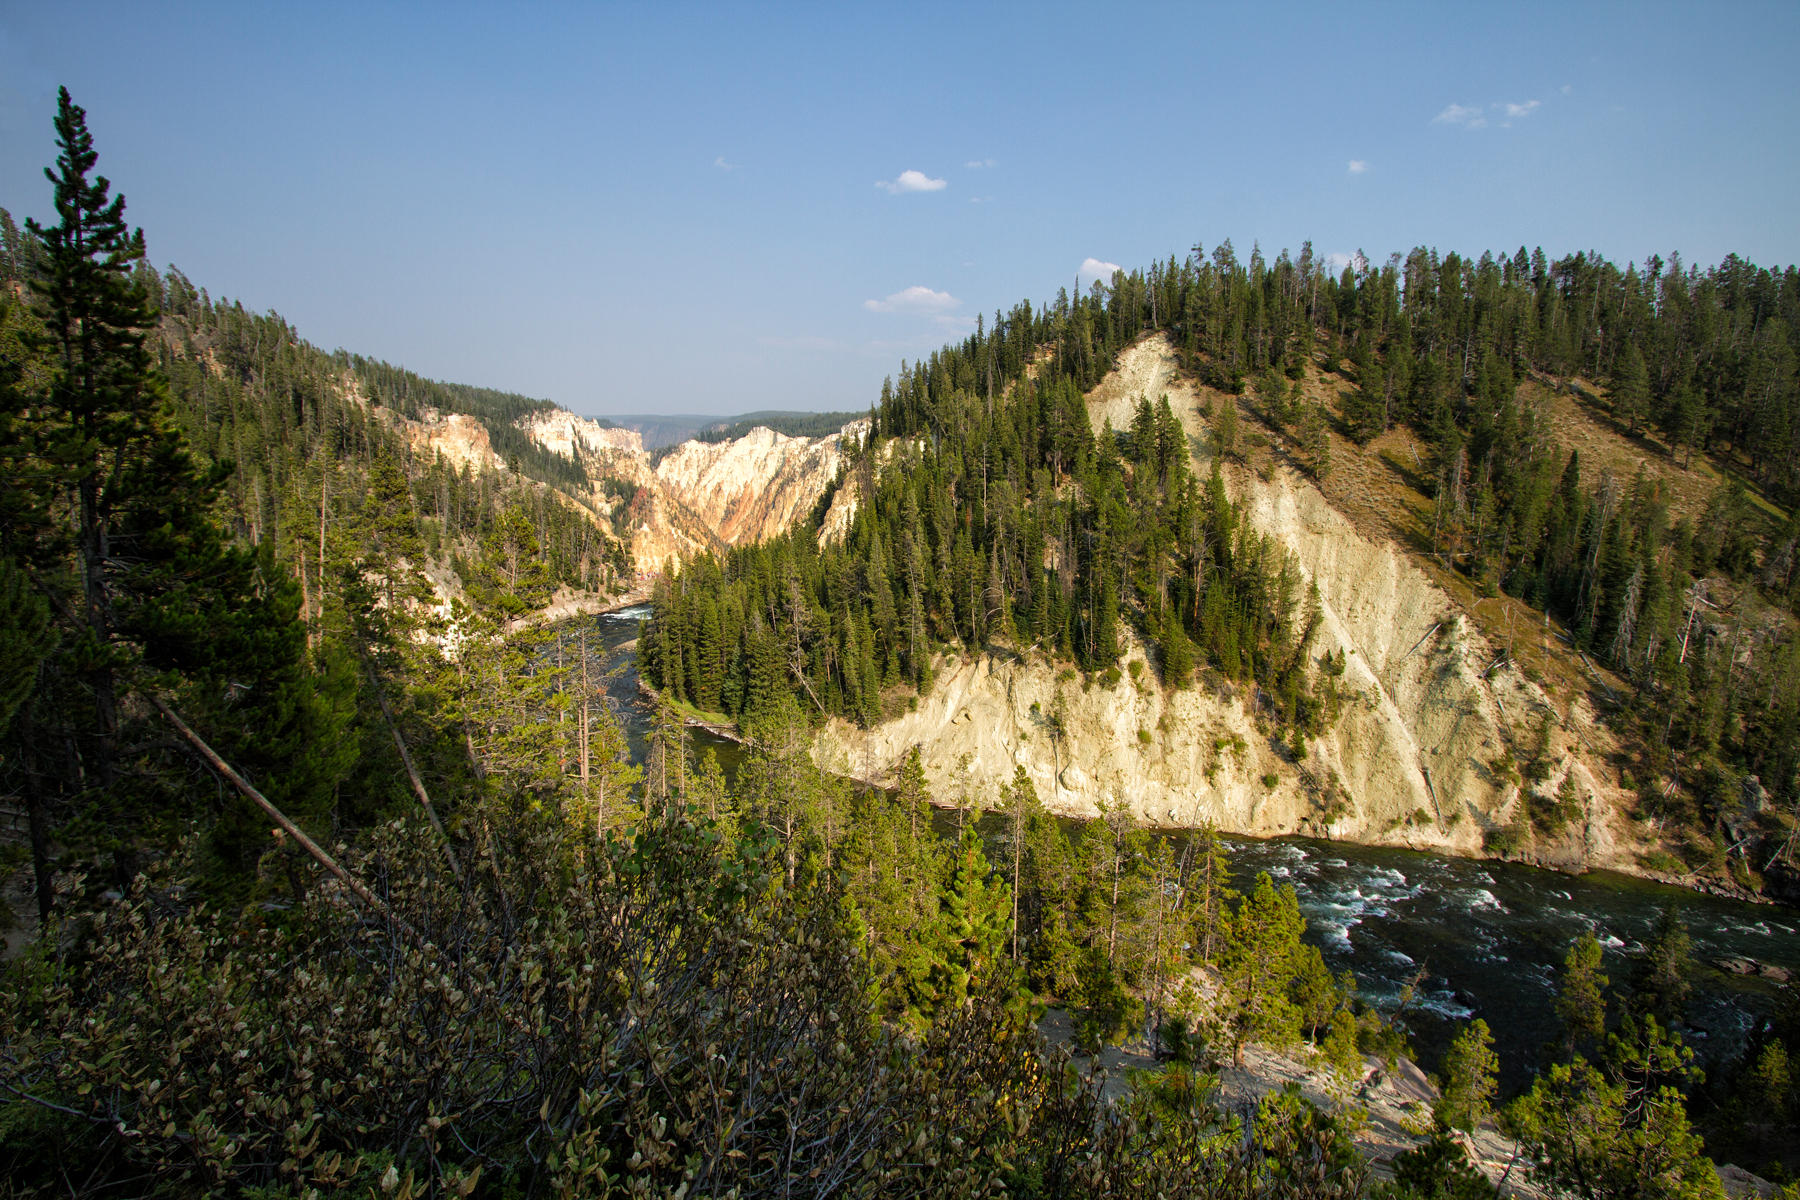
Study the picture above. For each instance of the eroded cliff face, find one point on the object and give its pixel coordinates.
(702, 497)
(656, 528)
(1428, 708)
(457, 438)
(757, 486)
(565, 433)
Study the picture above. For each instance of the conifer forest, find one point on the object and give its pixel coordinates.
(339, 867)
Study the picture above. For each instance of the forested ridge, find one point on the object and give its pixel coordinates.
(483, 953)
(300, 427)
(993, 518)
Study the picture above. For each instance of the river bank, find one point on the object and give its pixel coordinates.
(1484, 936)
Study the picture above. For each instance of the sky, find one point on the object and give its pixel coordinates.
(686, 208)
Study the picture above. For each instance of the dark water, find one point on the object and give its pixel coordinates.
(618, 633)
(1491, 937)
(1488, 936)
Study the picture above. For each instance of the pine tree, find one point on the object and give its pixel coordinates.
(1631, 388)
(1213, 894)
(972, 926)
(100, 425)
(1580, 996)
(1659, 983)
(1260, 957)
(1020, 803)
(1466, 1089)
(146, 592)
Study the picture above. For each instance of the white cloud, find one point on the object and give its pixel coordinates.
(1567, 89)
(720, 163)
(1093, 268)
(915, 299)
(1461, 114)
(976, 164)
(1476, 116)
(911, 181)
(1337, 260)
(1358, 166)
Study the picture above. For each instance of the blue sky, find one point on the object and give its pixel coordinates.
(718, 208)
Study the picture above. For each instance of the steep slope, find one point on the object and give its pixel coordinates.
(1411, 759)
(461, 440)
(702, 496)
(756, 486)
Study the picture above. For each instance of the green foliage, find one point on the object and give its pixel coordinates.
(1261, 954)
(134, 590)
(1549, 815)
(1592, 1134)
(670, 944)
(1340, 1048)
(972, 929)
(790, 424)
(1507, 840)
(988, 519)
(493, 1035)
(1438, 1169)
(1580, 995)
(1177, 1041)
(1315, 993)
(1107, 1013)
(577, 979)
(1769, 1088)
(1466, 1082)
(27, 638)
(1659, 983)
(995, 515)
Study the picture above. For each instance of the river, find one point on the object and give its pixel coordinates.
(1489, 936)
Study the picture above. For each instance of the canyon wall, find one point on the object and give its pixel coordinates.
(1414, 757)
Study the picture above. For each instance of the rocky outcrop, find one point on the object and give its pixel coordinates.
(703, 496)
(1413, 758)
(562, 432)
(756, 486)
(459, 439)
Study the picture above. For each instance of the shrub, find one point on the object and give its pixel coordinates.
(497, 1028)
(1507, 840)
